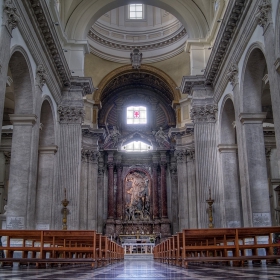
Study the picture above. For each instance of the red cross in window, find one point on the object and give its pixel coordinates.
(136, 114)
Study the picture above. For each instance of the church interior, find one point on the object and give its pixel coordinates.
(140, 119)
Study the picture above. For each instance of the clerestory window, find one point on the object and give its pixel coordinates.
(136, 11)
(136, 115)
(137, 146)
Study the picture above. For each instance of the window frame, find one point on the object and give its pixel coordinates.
(134, 106)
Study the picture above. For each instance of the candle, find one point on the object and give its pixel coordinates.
(209, 193)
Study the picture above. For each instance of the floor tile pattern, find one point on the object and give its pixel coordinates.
(142, 270)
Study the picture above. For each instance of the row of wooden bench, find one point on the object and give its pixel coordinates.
(230, 245)
(42, 247)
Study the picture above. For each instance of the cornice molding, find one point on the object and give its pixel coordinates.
(188, 82)
(45, 25)
(113, 44)
(82, 83)
(93, 133)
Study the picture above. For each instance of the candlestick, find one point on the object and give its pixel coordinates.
(210, 211)
(65, 203)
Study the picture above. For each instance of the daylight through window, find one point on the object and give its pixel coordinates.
(137, 146)
(136, 11)
(136, 115)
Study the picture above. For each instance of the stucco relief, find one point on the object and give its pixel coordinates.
(137, 196)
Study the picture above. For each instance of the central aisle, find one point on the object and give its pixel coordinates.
(142, 270)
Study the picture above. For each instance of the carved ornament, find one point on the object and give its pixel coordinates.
(191, 154)
(162, 139)
(233, 74)
(263, 14)
(10, 12)
(173, 169)
(41, 75)
(136, 58)
(181, 156)
(7, 155)
(204, 113)
(68, 114)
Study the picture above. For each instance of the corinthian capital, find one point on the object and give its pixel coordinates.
(204, 113)
(233, 74)
(181, 156)
(69, 114)
(10, 15)
(264, 13)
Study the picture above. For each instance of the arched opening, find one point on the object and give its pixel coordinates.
(230, 169)
(18, 115)
(45, 176)
(257, 119)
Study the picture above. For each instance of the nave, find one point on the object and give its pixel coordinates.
(141, 269)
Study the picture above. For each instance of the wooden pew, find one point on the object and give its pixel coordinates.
(60, 247)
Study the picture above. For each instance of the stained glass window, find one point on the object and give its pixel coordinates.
(136, 11)
(136, 115)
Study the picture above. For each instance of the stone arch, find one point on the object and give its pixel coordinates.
(251, 79)
(86, 12)
(47, 125)
(144, 68)
(23, 81)
(227, 117)
(46, 162)
(277, 32)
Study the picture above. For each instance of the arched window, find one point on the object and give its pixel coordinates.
(137, 146)
(136, 115)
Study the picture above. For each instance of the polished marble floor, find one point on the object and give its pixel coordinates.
(142, 270)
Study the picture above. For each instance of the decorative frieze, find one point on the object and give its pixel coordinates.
(204, 113)
(11, 16)
(264, 13)
(41, 75)
(68, 114)
(233, 74)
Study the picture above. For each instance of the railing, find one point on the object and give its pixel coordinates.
(238, 245)
(138, 248)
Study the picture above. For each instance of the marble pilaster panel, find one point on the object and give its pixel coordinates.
(181, 157)
(174, 198)
(192, 198)
(100, 194)
(255, 163)
(232, 195)
(20, 169)
(45, 185)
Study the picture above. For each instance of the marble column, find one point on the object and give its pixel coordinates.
(203, 114)
(111, 212)
(20, 168)
(92, 191)
(192, 195)
(45, 186)
(164, 214)
(100, 193)
(232, 195)
(182, 188)
(174, 198)
(155, 191)
(84, 188)
(255, 164)
(119, 192)
(9, 22)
